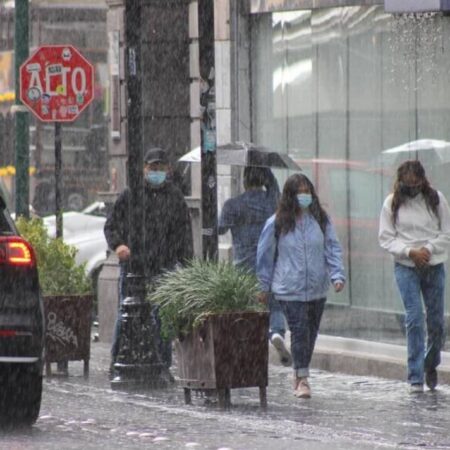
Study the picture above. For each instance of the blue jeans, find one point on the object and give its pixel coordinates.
(303, 319)
(277, 322)
(413, 284)
(165, 346)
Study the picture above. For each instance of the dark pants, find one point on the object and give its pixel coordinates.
(303, 319)
(164, 346)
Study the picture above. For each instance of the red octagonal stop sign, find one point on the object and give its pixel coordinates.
(56, 83)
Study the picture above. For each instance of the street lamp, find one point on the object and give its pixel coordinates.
(138, 360)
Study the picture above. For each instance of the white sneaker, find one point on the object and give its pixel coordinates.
(416, 388)
(278, 342)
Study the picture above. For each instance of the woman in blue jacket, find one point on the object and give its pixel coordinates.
(298, 255)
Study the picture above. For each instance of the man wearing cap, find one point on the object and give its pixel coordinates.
(167, 236)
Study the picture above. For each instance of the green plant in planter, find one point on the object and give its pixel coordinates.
(59, 274)
(187, 295)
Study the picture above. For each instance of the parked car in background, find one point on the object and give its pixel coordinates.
(21, 327)
(84, 230)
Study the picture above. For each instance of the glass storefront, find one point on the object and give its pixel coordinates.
(342, 90)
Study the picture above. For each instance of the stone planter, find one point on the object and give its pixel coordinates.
(68, 329)
(227, 351)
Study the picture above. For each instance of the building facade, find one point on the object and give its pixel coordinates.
(342, 86)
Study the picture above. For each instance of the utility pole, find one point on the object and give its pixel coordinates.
(208, 130)
(138, 359)
(22, 118)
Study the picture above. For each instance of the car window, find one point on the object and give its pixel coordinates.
(4, 192)
(6, 226)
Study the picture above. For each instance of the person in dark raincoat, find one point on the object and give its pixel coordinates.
(245, 215)
(167, 240)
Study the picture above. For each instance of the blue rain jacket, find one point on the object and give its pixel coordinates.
(306, 263)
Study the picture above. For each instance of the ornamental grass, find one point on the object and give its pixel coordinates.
(188, 295)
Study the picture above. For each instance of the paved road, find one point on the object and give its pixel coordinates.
(346, 412)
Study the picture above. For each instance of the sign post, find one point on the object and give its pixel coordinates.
(57, 84)
(22, 143)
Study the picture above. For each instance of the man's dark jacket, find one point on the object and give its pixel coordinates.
(167, 236)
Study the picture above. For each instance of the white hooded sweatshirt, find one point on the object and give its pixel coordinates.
(416, 227)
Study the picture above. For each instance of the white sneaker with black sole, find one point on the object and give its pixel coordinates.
(278, 342)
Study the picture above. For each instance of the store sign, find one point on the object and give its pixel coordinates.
(56, 83)
(406, 6)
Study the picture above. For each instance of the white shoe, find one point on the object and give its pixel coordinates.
(278, 342)
(415, 388)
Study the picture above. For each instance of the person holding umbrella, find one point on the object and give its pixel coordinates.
(245, 215)
(415, 229)
(298, 255)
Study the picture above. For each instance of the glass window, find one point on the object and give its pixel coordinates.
(351, 92)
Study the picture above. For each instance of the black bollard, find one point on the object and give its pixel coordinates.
(139, 362)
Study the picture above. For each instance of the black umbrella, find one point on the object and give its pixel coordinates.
(248, 154)
(245, 154)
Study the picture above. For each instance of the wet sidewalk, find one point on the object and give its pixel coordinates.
(345, 412)
(359, 357)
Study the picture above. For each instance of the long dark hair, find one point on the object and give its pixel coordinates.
(288, 208)
(431, 196)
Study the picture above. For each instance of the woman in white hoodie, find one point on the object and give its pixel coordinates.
(415, 229)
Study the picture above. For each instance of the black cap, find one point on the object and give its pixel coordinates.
(156, 154)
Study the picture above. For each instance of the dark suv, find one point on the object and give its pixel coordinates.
(21, 327)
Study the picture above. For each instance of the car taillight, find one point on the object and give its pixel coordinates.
(16, 251)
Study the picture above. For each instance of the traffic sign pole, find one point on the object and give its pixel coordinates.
(58, 181)
(22, 184)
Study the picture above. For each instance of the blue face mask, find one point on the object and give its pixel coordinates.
(156, 177)
(304, 200)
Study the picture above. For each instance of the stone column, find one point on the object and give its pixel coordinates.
(232, 94)
(108, 278)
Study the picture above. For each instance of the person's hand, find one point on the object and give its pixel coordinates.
(263, 298)
(123, 252)
(338, 286)
(421, 257)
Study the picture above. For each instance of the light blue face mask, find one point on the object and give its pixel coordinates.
(304, 200)
(156, 177)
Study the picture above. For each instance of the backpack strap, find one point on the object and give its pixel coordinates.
(277, 238)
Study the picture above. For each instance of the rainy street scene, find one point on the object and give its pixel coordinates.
(224, 224)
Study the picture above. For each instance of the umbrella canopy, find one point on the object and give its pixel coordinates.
(428, 151)
(194, 156)
(245, 154)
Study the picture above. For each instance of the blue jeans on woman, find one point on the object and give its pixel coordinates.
(414, 284)
(303, 319)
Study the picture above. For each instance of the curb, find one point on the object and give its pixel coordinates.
(359, 357)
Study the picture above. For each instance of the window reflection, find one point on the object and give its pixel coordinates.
(342, 90)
